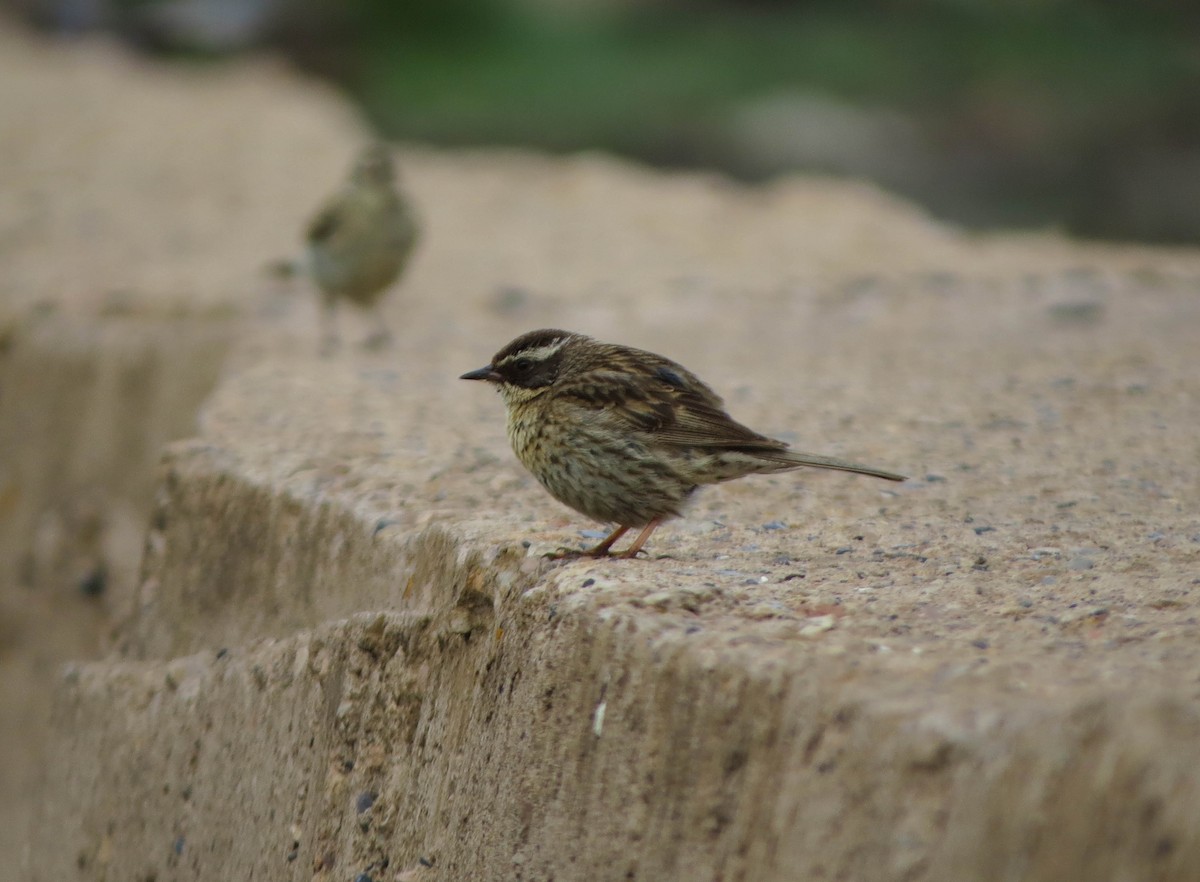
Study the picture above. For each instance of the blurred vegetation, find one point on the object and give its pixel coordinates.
(1080, 113)
(484, 69)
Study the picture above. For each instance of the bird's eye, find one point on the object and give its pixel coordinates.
(523, 364)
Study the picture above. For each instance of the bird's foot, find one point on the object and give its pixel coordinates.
(564, 553)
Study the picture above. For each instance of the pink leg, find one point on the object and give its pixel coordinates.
(601, 550)
(633, 549)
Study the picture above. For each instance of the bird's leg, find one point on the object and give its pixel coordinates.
(381, 337)
(601, 550)
(633, 549)
(329, 332)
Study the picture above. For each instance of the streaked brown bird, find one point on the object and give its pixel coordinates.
(625, 436)
(360, 241)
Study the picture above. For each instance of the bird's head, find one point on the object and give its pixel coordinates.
(531, 364)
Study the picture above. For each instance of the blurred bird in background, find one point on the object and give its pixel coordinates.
(359, 242)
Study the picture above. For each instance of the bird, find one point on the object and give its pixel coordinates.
(360, 241)
(625, 436)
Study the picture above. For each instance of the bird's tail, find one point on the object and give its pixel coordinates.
(793, 458)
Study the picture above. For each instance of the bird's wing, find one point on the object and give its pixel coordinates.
(325, 225)
(668, 403)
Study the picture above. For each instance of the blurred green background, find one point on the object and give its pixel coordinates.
(1077, 114)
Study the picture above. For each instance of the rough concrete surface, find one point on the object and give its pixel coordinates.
(342, 652)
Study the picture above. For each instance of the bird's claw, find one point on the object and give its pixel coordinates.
(564, 553)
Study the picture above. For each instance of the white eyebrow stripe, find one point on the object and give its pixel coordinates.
(541, 353)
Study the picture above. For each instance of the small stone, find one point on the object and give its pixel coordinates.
(980, 644)
(1026, 603)
(1156, 536)
(1082, 562)
(979, 531)
(382, 524)
(934, 479)
(588, 583)
(774, 525)
(845, 549)
(365, 801)
(95, 582)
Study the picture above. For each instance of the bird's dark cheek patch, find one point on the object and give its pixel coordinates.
(538, 380)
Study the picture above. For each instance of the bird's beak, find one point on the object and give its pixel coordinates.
(484, 373)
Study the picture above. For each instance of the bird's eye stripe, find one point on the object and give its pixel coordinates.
(533, 356)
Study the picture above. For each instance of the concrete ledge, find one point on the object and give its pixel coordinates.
(515, 733)
(506, 718)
